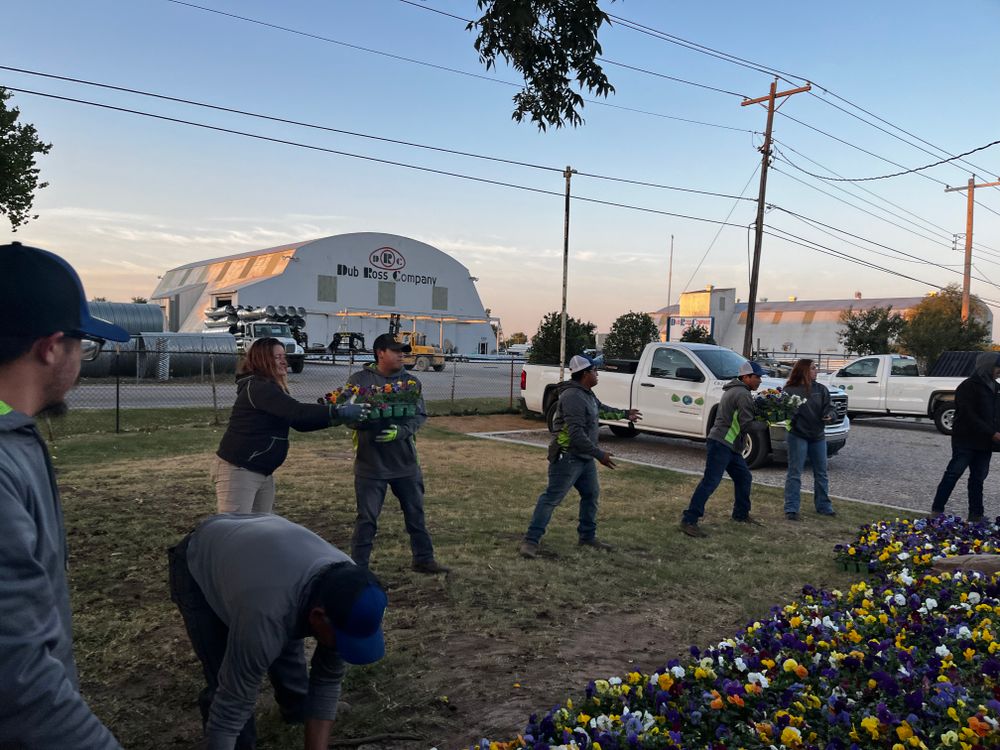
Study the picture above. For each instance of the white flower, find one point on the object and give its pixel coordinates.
(942, 651)
(974, 598)
(964, 632)
(677, 672)
(905, 578)
(899, 599)
(827, 622)
(903, 671)
(930, 603)
(740, 664)
(903, 556)
(614, 680)
(758, 679)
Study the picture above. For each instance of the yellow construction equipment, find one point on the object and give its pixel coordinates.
(422, 356)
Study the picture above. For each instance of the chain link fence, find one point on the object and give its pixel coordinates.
(123, 384)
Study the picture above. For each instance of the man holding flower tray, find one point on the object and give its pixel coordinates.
(386, 457)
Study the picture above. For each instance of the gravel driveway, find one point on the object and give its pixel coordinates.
(895, 463)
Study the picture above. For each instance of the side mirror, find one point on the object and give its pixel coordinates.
(842, 374)
(689, 373)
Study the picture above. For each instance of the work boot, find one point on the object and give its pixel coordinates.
(529, 549)
(975, 517)
(792, 517)
(748, 519)
(830, 512)
(596, 544)
(693, 529)
(430, 567)
(937, 513)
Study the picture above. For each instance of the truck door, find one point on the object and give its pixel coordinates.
(863, 385)
(905, 391)
(670, 392)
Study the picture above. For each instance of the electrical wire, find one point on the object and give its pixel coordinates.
(356, 134)
(365, 157)
(443, 68)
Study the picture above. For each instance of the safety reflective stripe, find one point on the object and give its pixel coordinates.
(563, 438)
(734, 429)
(5, 408)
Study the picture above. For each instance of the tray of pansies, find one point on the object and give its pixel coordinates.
(388, 401)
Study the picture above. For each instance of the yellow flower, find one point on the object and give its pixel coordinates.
(790, 737)
(665, 681)
(904, 731)
(871, 724)
(582, 718)
(633, 678)
(789, 665)
(949, 738)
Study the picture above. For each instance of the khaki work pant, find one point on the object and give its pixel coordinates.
(240, 490)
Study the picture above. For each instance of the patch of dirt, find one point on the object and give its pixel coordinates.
(487, 423)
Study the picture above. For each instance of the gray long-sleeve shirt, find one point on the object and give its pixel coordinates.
(256, 571)
(576, 423)
(735, 415)
(397, 458)
(40, 704)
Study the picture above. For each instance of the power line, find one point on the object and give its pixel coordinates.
(356, 134)
(443, 68)
(365, 157)
(904, 172)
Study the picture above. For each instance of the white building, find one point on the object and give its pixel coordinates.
(806, 326)
(347, 283)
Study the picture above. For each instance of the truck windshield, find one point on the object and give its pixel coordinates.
(724, 363)
(272, 330)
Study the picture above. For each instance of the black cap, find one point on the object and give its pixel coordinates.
(48, 293)
(388, 341)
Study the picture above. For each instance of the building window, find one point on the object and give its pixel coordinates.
(722, 304)
(387, 293)
(439, 298)
(326, 288)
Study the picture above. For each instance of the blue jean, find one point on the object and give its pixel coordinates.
(564, 473)
(978, 464)
(721, 459)
(799, 449)
(209, 635)
(370, 494)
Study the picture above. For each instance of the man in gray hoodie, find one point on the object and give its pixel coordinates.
(733, 419)
(572, 453)
(41, 348)
(386, 457)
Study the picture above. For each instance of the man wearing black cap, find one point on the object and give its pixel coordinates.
(975, 436)
(724, 451)
(40, 354)
(250, 587)
(386, 456)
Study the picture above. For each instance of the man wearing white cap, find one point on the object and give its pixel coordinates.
(571, 456)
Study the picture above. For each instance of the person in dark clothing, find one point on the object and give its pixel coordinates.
(48, 334)
(807, 439)
(572, 453)
(724, 445)
(255, 443)
(975, 435)
(386, 457)
(250, 588)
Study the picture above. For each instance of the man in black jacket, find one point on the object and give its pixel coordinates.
(974, 435)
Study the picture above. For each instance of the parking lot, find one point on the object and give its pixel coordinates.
(890, 462)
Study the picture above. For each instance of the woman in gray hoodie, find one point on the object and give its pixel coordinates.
(807, 439)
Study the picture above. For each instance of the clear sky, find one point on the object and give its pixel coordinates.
(131, 197)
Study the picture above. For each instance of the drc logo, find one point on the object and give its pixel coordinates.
(387, 258)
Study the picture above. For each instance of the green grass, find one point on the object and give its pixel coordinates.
(469, 655)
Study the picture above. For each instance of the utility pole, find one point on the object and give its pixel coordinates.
(765, 150)
(568, 174)
(967, 275)
(670, 283)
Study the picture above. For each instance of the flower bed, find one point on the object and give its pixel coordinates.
(910, 661)
(914, 544)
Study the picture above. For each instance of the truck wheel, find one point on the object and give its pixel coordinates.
(624, 432)
(944, 417)
(297, 365)
(756, 449)
(421, 364)
(438, 368)
(550, 414)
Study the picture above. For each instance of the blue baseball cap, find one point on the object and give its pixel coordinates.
(48, 296)
(355, 602)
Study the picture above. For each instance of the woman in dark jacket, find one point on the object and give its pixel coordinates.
(256, 441)
(807, 439)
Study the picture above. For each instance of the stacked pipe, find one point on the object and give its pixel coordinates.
(234, 319)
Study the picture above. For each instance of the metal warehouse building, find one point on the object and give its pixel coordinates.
(346, 283)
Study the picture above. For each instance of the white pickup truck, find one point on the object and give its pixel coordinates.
(890, 385)
(677, 387)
